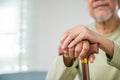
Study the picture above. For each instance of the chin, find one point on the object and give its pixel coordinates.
(101, 17)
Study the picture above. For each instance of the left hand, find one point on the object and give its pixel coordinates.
(76, 34)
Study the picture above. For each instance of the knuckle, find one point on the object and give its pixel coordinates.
(85, 48)
(77, 50)
(71, 36)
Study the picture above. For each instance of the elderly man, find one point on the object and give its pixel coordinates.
(75, 44)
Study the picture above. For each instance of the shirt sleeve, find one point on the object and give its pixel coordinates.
(58, 71)
(115, 60)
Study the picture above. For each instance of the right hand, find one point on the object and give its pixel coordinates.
(80, 51)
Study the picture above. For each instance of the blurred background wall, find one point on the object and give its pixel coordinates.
(30, 31)
(47, 20)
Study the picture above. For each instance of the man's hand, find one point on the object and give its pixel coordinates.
(77, 34)
(81, 50)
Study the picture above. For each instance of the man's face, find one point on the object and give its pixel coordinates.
(101, 10)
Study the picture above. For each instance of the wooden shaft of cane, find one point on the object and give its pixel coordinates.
(85, 69)
(85, 64)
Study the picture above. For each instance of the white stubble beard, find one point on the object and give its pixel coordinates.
(103, 17)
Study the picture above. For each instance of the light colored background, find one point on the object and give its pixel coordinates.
(47, 20)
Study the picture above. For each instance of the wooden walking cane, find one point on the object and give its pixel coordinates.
(84, 62)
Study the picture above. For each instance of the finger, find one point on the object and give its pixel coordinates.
(85, 49)
(60, 50)
(63, 37)
(66, 54)
(68, 40)
(71, 52)
(78, 38)
(91, 58)
(78, 49)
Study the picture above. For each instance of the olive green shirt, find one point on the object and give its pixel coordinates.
(103, 68)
